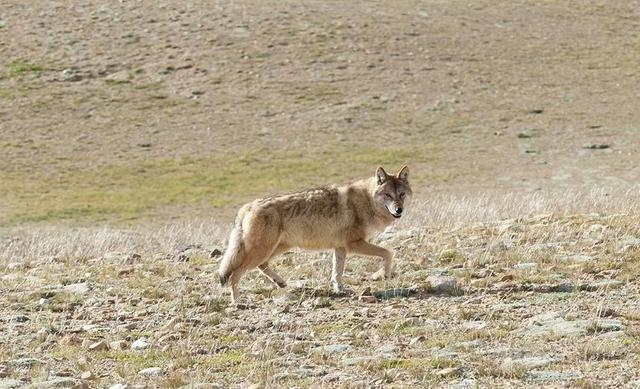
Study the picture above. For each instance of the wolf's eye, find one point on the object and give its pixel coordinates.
(402, 195)
(387, 195)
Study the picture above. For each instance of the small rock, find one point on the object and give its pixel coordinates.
(119, 386)
(525, 265)
(215, 253)
(418, 339)
(393, 293)
(331, 349)
(98, 346)
(368, 299)
(551, 375)
(448, 372)
(11, 383)
(79, 288)
(55, 382)
(24, 363)
(87, 375)
(444, 285)
(140, 344)
(121, 77)
(387, 350)
(607, 325)
(151, 372)
(596, 146)
(603, 285)
(528, 362)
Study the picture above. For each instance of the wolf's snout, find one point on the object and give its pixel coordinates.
(399, 211)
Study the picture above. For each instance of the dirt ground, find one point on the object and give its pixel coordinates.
(151, 104)
(504, 96)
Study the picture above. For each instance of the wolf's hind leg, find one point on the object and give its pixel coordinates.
(233, 284)
(272, 275)
(339, 256)
(366, 248)
(267, 271)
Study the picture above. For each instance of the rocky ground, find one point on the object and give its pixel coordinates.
(131, 131)
(539, 302)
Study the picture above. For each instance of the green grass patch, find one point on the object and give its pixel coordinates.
(125, 193)
(21, 68)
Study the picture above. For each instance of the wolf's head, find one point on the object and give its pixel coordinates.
(394, 192)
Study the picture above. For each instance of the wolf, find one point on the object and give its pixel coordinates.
(342, 218)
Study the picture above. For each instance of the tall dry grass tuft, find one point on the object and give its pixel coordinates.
(25, 244)
(447, 210)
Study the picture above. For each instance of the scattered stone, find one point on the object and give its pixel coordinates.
(552, 324)
(529, 363)
(331, 349)
(11, 383)
(121, 77)
(606, 325)
(444, 285)
(71, 75)
(55, 382)
(474, 325)
(151, 372)
(79, 288)
(552, 375)
(215, 253)
(525, 265)
(418, 339)
(99, 346)
(24, 363)
(449, 372)
(387, 350)
(368, 299)
(87, 375)
(19, 319)
(140, 344)
(393, 293)
(603, 285)
(119, 386)
(596, 146)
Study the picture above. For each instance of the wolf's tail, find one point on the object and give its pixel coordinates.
(235, 252)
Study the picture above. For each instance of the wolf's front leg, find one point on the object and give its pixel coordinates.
(339, 256)
(366, 248)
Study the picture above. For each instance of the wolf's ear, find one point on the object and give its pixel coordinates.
(381, 175)
(403, 174)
